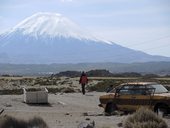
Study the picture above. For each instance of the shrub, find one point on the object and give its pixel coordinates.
(37, 122)
(11, 92)
(103, 85)
(11, 122)
(68, 90)
(63, 89)
(144, 118)
(53, 90)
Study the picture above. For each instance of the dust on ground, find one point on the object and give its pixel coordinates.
(63, 111)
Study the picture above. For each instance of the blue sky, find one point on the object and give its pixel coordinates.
(138, 24)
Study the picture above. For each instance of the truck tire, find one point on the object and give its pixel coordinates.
(110, 108)
(161, 111)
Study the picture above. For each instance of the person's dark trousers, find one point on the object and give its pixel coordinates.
(83, 88)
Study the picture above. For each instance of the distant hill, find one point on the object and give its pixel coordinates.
(162, 68)
(97, 73)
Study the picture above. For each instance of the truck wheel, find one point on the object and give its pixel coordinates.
(161, 111)
(110, 108)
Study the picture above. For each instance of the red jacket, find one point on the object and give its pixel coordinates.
(83, 79)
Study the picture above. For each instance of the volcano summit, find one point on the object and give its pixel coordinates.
(46, 38)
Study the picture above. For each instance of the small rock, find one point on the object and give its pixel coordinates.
(120, 124)
(62, 103)
(85, 114)
(8, 105)
(87, 119)
(58, 121)
(86, 125)
(67, 113)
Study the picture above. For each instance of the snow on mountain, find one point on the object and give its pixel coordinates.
(52, 25)
(52, 38)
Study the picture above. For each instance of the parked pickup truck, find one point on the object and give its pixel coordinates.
(130, 96)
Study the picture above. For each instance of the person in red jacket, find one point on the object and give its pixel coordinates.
(83, 81)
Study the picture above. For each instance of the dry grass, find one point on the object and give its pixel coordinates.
(144, 118)
(68, 90)
(11, 92)
(13, 85)
(11, 122)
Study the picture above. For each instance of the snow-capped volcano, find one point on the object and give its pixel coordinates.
(52, 25)
(52, 38)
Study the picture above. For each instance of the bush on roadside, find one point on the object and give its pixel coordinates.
(11, 92)
(144, 118)
(103, 85)
(11, 122)
(53, 90)
(63, 90)
(68, 90)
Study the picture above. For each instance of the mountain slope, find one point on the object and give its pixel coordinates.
(51, 38)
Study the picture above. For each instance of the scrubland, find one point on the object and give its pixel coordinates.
(67, 107)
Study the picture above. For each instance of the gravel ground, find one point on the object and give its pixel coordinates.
(63, 111)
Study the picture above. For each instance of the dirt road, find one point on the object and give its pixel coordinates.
(63, 110)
